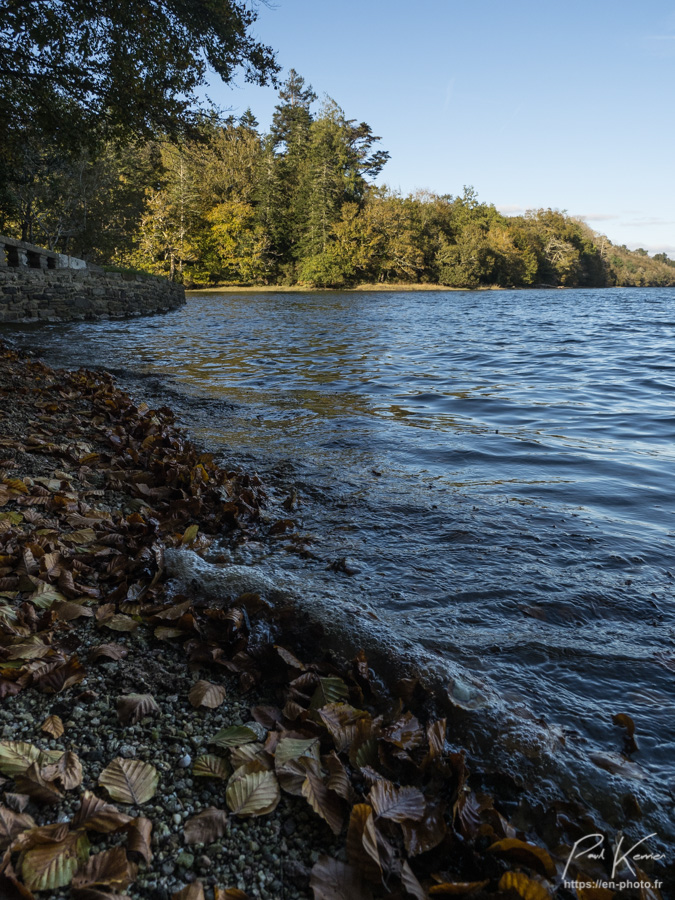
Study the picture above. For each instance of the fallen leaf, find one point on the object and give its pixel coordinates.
(129, 780)
(67, 770)
(398, 804)
(111, 869)
(138, 842)
(523, 886)
(457, 888)
(11, 824)
(95, 814)
(211, 766)
(17, 756)
(206, 827)
(131, 708)
(252, 794)
(105, 652)
(234, 736)
(203, 693)
(32, 783)
(52, 865)
(527, 854)
(323, 801)
(193, 891)
(333, 880)
(53, 726)
(330, 690)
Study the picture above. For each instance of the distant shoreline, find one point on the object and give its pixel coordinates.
(298, 289)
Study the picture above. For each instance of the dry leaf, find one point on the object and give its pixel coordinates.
(131, 708)
(53, 726)
(12, 824)
(129, 780)
(252, 793)
(211, 766)
(234, 736)
(206, 827)
(67, 770)
(17, 756)
(138, 842)
(111, 868)
(203, 693)
(359, 821)
(193, 891)
(32, 783)
(409, 881)
(95, 814)
(105, 652)
(47, 866)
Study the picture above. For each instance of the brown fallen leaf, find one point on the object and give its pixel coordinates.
(194, 891)
(67, 771)
(419, 837)
(457, 888)
(333, 880)
(523, 886)
(32, 783)
(138, 841)
(12, 824)
(212, 766)
(411, 884)
(361, 819)
(206, 827)
(398, 804)
(53, 726)
(104, 652)
(323, 801)
(252, 793)
(95, 814)
(205, 694)
(110, 869)
(229, 894)
(50, 865)
(527, 854)
(129, 780)
(131, 708)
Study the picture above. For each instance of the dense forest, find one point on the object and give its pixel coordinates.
(225, 203)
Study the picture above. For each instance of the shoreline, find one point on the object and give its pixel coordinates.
(101, 484)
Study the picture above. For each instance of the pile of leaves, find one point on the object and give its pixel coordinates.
(83, 538)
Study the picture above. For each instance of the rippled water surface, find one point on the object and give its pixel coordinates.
(497, 467)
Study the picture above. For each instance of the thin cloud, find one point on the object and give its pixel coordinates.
(648, 223)
(597, 217)
(512, 210)
(669, 249)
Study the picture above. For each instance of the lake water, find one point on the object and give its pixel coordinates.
(496, 468)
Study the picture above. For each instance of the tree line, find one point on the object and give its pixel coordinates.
(222, 202)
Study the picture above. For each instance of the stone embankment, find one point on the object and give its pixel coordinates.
(39, 285)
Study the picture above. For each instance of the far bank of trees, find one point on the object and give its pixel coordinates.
(227, 203)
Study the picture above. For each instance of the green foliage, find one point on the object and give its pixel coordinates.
(228, 204)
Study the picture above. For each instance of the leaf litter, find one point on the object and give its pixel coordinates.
(91, 500)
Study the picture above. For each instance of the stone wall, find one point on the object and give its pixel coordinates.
(37, 285)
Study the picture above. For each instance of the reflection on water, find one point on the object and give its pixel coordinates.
(498, 467)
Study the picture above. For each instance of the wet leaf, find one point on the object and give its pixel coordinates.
(295, 748)
(419, 837)
(330, 690)
(342, 720)
(208, 695)
(625, 722)
(338, 779)
(406, 733)
(234, 736)
(333, 880)
(360, 822)
(527, 854)
(206, 827)
(252, 794)
(130, 780)
(398, 804)
(111, 868)
(523, 886)
(53, 726)
(190, 535)
(131, 708)
(290, 659)
(618, 765)
(212, 766)
(410, 883)
(323, 801)
(138, 842)
(120, 622)
(49, 866)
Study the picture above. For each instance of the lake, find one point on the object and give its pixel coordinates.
(489, 476)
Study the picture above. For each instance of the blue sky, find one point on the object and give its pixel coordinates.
(568, 105)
